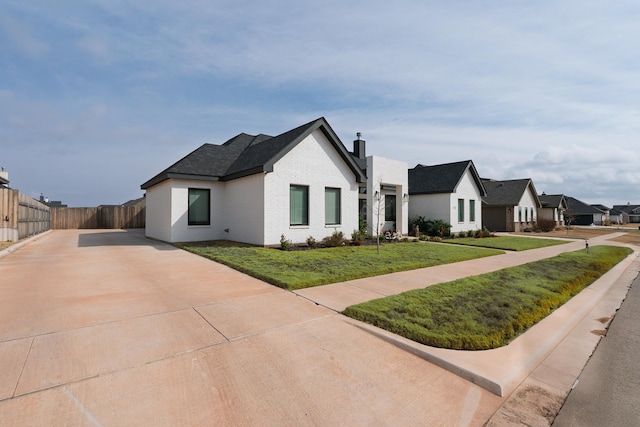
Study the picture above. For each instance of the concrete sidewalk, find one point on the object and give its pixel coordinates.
(108, 328)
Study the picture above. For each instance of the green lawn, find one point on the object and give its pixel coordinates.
(303, 269)
(507, 243)
(489, 310)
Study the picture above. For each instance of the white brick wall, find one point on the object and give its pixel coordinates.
(314, 162)
(445, 206)
(387, 172)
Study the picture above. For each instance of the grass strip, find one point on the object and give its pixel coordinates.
(489, 310)
(507, 243)
(303, 269)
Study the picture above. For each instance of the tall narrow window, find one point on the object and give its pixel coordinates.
(519, 213)
(331, 206)
(362, 208)
(460, 210)
(472, 211)
(299, 205)
(389, 207)
(199, 212)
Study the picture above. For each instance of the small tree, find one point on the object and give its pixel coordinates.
(378, 209)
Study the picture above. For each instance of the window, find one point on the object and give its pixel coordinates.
(472, 211)
(389, 208)
(362, 207)
(331, 206)
(531, 216)
(519, 213)
(460, 210)
(299, 205)
(199, 212)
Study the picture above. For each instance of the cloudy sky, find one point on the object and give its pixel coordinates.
(98, 96)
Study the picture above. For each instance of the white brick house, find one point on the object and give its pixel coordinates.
(253, 189)
(450, 192)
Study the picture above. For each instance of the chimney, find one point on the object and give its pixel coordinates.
(359, 147)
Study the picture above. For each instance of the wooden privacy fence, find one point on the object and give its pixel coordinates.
(106, 217)
(21, 216)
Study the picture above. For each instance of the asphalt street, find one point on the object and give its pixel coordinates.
(607, 393)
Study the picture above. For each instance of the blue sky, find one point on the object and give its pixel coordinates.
(96, 97)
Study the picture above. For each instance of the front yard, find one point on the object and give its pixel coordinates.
(302, 269)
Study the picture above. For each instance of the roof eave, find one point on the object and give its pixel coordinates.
(164, 177)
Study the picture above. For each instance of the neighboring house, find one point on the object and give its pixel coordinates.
(552, 207)
(630, 213)
(449, 192)
(616, 216)
(510, 205)
(607, 213)
(254, 189)
(580, 213)
(4, 178)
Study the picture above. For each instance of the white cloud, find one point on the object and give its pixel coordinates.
(545, 89)
(23, 35)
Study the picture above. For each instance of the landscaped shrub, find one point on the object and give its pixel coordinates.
(311, 242)
(358, 236)
(545, 225)
(420, 222)
(285, 244)
(336, 239)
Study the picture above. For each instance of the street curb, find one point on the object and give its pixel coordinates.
(20, 244)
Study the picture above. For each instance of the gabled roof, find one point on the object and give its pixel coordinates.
(603, 208)
(577, 207)
(442, 178)
(507, 193)
(245, 155)
(552, 200)
(628, 209)
(614, 211)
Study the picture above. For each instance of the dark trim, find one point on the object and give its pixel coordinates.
(208, 221)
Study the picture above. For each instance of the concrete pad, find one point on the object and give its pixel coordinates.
(338, 296)
(13, 355)
(66, 281)
(68, 356)
(323, 372)
(246, 316)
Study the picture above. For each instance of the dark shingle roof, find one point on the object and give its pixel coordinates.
(441, 178)
(551, 200)
(628, 209)
(506, 193)
(245, 155)
(577, 207)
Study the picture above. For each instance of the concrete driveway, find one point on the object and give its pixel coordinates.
(109, 328)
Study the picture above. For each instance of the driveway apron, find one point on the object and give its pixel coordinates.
(109, 328)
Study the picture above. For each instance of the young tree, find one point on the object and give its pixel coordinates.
(378, 211)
